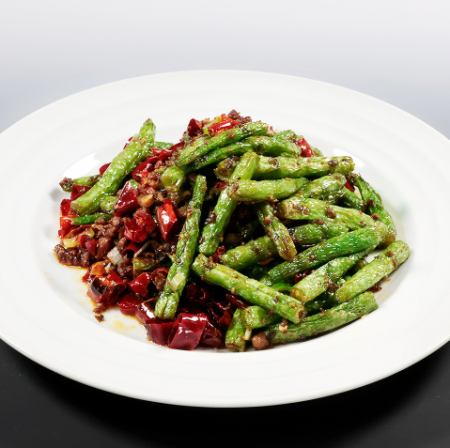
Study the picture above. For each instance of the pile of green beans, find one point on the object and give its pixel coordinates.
(304, 272)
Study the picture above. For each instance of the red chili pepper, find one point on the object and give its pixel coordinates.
(128, 141)
(349, 186)
(65, 226)
(235, 301)
(77, 191)
(139, 285)
(167, 218)
(226, 123)
(140, 226)
(194, 127)
(113, 276)
(300, 275)
(128, 200)
(212, 336)
(304, 146)
(220, 185)
(103, 168)
(188, 331)
(177, 146)
(128, 305)
(65, 209)
(160, 332)
(145, 314)
(131, 247)
(218, 253)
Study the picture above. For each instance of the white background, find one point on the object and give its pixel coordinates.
(395, 50)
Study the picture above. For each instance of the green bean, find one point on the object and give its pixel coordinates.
(89, 219)
(339, 246)
(317, 324)
(352, 200)
(173, 177)
(263, 248)
(298, 208)
(379, 268)
(251, 290)
(136, 151)
(265, 190)
(235, 335)
(276, 231)
(213, 231)
(375, 206)
(166, 306)
(107, 203)
(202, 145)
(324, 277)
(314, 233)
(162, 145)
(86, 181)
(258, 317)
(276, 145)
(279, 167)
(328, 188)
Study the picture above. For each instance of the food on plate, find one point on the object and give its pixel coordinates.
(235, 236)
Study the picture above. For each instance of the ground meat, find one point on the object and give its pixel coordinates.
(235, 115)
(72, 257)
(125, 269)
(104, 246)
(108, 230)
(122, 243)
(150, 180)
(260, 341)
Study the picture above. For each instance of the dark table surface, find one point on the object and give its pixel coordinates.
(41, 408)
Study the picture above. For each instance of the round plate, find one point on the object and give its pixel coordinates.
(47, 316)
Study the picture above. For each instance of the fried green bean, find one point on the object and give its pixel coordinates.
(251, 290)
(370, 274)
(265, 190)
(167, 303)
(135, 151)
(316, 324)
(276, 231)
(375, 206)
(279, 167)
(339, 246)
(203, 145)
(213, 231)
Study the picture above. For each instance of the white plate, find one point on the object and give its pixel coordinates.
(46, 315)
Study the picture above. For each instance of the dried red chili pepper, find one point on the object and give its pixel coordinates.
(139, 285)
(304, 146)
(128, 200)
(139, 227)
(226, 123)
(349, 185)
(103, 168)
(187, 331)
(77, 191)
(194, 127)
(128, 305)
(167, 218)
